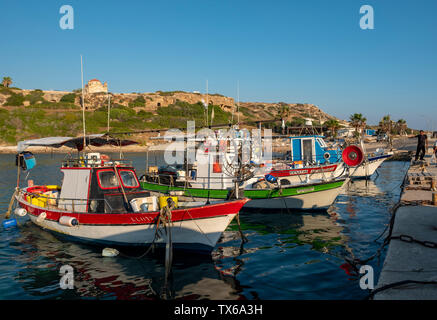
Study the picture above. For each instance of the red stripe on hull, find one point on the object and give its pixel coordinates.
(209, 211)
(295, 172)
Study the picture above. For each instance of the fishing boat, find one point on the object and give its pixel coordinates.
(370, 165)
(100, 201)
(312, 195)
(208, 179)
(310, 157)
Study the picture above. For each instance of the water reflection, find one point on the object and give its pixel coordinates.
(321, 230)
(364, 188)
(122, 277)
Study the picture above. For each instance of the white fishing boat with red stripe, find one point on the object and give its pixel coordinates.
(310, 158)
(100, 202)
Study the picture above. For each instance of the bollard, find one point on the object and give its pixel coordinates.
(434, 198)
(433, 182)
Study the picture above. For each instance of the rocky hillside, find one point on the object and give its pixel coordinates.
(290, 112)
(26, 114)
(152, 101)
(145, 101)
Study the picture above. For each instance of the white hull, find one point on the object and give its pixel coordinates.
(366, 169)
(320, 200)
(199, 234)
(326, 176)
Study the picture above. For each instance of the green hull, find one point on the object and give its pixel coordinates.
(251, 194)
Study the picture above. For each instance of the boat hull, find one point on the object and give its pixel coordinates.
(368, 168)
(316, 196)
(299, 175)
(193, 229)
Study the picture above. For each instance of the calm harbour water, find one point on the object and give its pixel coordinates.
(288, 256)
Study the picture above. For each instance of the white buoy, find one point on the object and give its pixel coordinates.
(21, 212)
(41, 217)
(68, 221)
(110, 252)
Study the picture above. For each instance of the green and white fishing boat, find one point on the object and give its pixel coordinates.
(209, 178)
(313, 195)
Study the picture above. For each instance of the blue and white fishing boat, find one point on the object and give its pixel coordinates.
(310, 157)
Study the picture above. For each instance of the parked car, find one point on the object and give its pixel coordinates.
(382, 137)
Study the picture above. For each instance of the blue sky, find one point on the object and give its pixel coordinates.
(292, 51)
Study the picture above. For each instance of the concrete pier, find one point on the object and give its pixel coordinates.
(408, 259)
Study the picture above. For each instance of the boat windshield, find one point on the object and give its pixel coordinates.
(128, 178)
(107, 179)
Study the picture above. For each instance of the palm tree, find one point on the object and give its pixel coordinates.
(7, 81)
(386, 124)
(402, 126)
(358, 121)
(284, 111)
(332, 125)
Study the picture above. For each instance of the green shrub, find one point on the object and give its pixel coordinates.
(54, 105)
(4, 90)
(69, 97)
(15, 100)
(182, 109)
(167, 93)
(144, 114)
(246, 111)
(297, 122)
(138, 102)
(34, 96)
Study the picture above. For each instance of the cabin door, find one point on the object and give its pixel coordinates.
(307, 150)
(74, 190)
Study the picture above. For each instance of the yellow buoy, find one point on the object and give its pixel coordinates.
(163, 201)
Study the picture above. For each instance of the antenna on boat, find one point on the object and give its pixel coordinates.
(207, 104)
(83, 106)
(238, 101)
(109, 109)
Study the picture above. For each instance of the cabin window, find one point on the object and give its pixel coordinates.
(107, 179)
(322, 143)
(128, 178)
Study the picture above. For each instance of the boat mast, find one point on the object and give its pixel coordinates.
(207, 103)
(238, 101)
(109, 109)
(83, 106)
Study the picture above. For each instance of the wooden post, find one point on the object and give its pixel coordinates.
(18, 170)
(433, 183)
(147, 162)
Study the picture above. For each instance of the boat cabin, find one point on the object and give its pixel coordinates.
(97, 185)
(217, 161)
(312, 150)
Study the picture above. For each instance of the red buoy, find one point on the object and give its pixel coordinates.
(216, 168)
(353, 156)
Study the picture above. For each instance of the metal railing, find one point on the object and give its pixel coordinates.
(92, 163)
(65, 201)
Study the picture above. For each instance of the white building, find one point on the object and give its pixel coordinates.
(95, 86)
